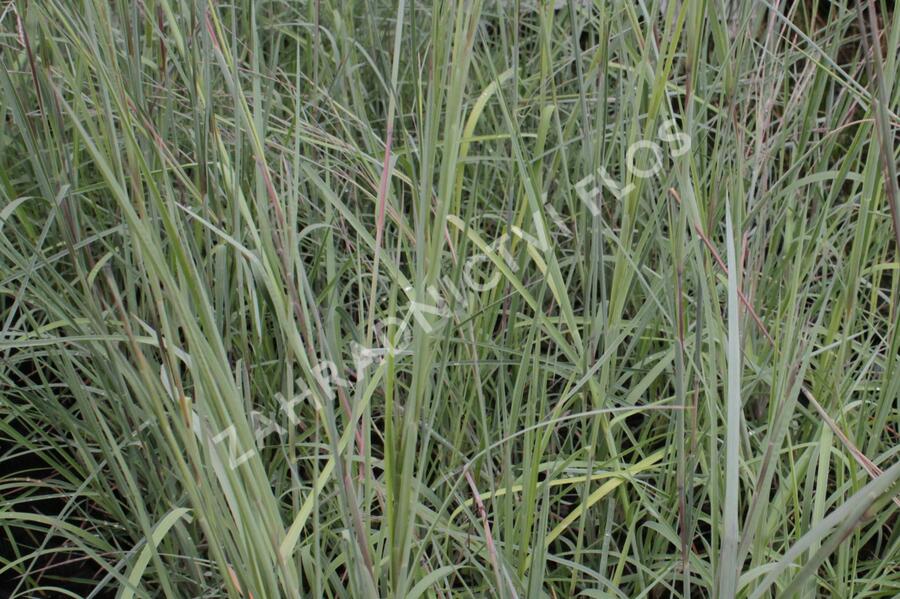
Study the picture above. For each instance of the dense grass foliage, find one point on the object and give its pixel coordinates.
(360, 299)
